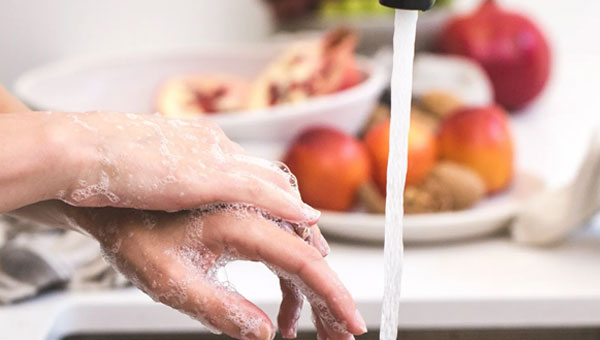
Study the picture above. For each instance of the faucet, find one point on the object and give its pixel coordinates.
(422, 5)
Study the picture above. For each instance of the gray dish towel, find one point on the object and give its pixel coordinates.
(34, 259)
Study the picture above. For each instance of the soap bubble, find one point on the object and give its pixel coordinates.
(316, 301)
(99, 189)
(249, 326)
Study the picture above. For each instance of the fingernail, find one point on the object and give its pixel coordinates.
(322, 337)
(303, 232)
(361, 322)
(290, 334)
(312, 214)
(269, 332)
(325, 250)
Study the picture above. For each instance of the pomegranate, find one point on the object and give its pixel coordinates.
(309, 68)
(509, 46)
(193, 95)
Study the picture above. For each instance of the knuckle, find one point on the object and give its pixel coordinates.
(256, 189)
(209, 124)
(311, 259)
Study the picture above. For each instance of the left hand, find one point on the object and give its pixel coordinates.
(150, 162)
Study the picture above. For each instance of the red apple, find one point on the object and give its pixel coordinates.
(330, 167)
(509, 46)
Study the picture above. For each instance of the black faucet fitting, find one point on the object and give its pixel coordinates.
(421, 5)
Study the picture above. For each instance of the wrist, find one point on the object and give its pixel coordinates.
(36, 160)
(69, 153)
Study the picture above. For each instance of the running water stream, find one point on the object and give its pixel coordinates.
(404, 50)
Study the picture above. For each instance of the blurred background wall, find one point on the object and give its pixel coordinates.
(36, 31)
(33, 32)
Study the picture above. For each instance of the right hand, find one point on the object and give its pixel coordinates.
(174, 258)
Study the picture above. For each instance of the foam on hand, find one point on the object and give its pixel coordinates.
(208, 268)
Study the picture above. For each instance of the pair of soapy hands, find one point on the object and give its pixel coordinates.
(150, 190)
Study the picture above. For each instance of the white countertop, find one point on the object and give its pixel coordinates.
(477, 284)
(485, 283)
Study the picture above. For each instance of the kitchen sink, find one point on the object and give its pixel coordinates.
(541, 334)
(132, 316)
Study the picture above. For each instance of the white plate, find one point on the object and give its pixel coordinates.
(488, 217)
(128, 83)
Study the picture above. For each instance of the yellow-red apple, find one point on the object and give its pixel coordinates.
(481, 139)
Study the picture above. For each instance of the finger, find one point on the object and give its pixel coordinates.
(290, 309)
(318, 241)
(234, 147)
(276, 172)
(280, 170)
(263, 194)
(304, 232)
(292, 298)
(326, 332)
(297, 261)
(321, 332)
(227, 311)
(311, 235)
(181, 285)
(293, 181)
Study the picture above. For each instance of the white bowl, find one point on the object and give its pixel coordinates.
(128, 83)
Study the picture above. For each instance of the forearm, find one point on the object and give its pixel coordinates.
(57, 214)
(36, 165)
(54, 213)
(43, 154)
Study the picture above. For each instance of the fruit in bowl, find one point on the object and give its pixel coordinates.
(330, 166)
(459, 76)
(188, 96)
(308, 69)
(450, 186)
(422, 152)
(509, 46)
(457, 156)
(480, 138)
